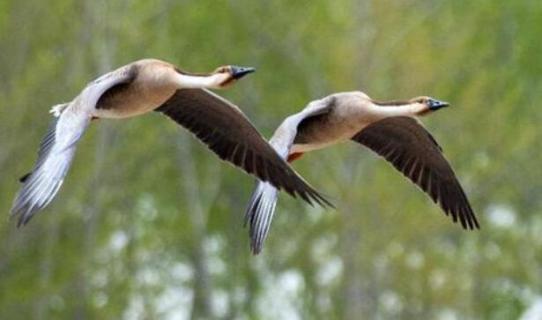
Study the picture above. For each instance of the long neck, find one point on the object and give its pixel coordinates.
(397, 109)
(199, 81)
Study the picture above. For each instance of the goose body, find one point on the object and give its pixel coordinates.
(335, 125)
(154, 85)
(391, 129)
(151, 84)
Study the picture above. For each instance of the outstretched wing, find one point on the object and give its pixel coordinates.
(411, 149)
(54, 158)
(58, 147)
(261, 206)
(227, 132)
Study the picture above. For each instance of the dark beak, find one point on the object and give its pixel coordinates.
(435, 104)
(239, 72)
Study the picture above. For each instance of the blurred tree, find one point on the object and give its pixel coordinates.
(148, 224)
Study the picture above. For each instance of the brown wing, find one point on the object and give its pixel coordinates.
(225, 129)
(412, 150)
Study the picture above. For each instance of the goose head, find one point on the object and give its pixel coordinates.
(431, 104)
(227, 75)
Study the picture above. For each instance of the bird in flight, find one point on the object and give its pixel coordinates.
(154, 85)
(389, 128)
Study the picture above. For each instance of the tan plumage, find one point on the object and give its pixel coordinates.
(388, 128)
(148, 85)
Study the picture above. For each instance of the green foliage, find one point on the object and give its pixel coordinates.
(149, 223)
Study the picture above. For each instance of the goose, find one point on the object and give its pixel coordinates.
(390, 129)
(154, 85)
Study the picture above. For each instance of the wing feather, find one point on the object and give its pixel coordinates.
(227, 132)
(412, 150)
(57, 148)
(261, 207)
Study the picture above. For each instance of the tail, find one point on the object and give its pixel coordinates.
(259, 214)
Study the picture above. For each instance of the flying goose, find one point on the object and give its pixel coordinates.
(154, 85)
(388, 128)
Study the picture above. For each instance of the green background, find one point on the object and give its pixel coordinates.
(148, 224)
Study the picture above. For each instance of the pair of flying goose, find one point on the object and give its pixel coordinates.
(388, 128)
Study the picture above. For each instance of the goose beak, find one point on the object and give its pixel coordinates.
(435, 104)
(239, 72)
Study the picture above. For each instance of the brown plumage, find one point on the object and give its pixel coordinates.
(412, 150)
(226, 131)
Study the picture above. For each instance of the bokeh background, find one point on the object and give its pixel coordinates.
(149, 224)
